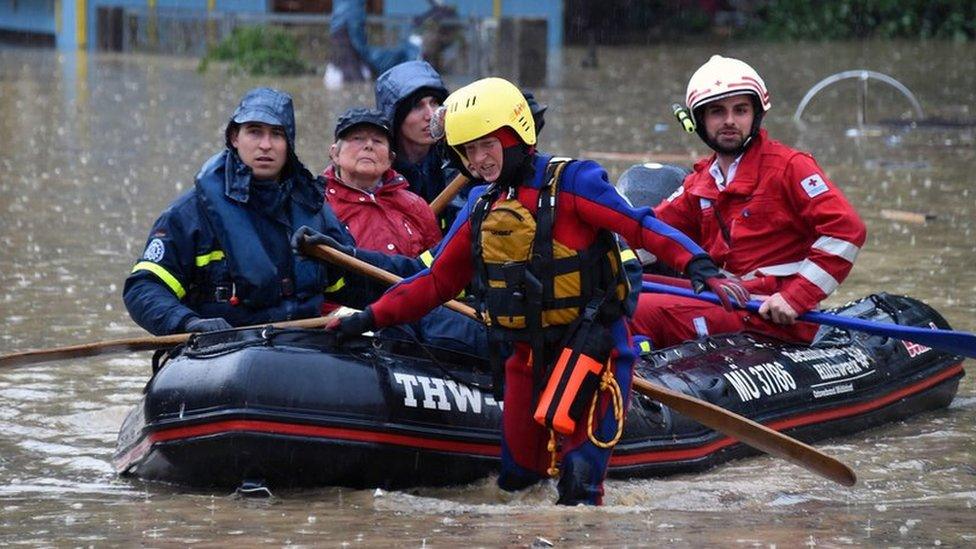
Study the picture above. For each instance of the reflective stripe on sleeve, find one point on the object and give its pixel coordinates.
(163, 275)
(336, 286)
(627, 255)
(838, 247)
(783, 269)
(820, 278)
(206, 259)
(426, 258)
(806, 268)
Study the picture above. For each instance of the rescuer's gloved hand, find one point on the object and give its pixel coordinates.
(352, 325)
(704, 275)
(309, 235)
(197, 324)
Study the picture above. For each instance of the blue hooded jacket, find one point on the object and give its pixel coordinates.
(223, 249)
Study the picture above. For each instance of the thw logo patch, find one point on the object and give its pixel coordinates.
(814, 185)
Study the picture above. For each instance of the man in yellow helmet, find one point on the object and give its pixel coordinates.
(537, 242)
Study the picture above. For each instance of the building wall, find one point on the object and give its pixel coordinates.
(551, 10)
(33, 16)
(73, 21)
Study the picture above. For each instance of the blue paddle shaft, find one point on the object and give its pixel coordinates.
(960, 343)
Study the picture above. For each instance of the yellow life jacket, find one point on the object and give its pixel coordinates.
(527, 280)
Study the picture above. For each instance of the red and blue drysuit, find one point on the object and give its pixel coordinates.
(587, 204)
(780, 225)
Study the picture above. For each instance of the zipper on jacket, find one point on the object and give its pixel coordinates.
(726, 234)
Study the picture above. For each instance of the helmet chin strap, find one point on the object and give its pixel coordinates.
(753, 131)
(513, 165)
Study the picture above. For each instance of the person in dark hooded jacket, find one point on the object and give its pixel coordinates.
(408, 95)
(220, 256)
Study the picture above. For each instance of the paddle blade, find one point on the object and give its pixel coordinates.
(749, 432)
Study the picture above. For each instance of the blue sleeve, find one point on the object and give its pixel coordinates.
(155, 289)
(153, 306)
(599, 203)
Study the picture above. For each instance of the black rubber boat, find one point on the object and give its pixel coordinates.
(286, 408)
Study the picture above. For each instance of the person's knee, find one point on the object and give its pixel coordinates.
(649, 319)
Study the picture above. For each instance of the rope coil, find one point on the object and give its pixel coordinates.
(607, 383)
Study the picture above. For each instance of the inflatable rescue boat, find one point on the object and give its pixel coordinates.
(290, 408)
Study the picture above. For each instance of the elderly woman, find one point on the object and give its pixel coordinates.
(368, 195)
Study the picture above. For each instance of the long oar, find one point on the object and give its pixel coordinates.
(150, 343)
(722, 420)
(147, 343)
(348, 262)
(445, 197)
(952, 341)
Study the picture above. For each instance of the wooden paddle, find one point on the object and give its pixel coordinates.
(151, 343)
(749, 432)
(350, 263)
(724, 421)
(445, 197)
(147, 343)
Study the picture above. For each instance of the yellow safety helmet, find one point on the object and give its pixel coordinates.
(484, 106)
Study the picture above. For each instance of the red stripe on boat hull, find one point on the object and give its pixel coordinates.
(492, 450)
(278, 428)
(697, 452)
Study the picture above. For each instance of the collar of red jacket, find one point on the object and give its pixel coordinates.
(746, 175)
(390, 182)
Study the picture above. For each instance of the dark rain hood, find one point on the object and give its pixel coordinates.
(399, 83)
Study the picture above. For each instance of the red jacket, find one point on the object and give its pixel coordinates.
(779, 217)
(391, 220)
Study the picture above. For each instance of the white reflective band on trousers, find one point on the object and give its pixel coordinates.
(838, 247)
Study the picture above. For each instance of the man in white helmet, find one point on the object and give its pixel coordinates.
(765, 212)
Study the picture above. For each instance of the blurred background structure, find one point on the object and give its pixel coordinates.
(519, 39)
(99, 23)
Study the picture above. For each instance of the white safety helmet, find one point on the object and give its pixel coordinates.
(722, 77)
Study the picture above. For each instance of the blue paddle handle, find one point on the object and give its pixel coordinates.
(952, 341)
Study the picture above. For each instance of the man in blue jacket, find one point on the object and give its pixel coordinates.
(220, 256)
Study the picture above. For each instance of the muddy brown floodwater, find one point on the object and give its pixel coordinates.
(93, 147)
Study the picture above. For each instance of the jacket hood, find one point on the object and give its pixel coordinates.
(400, 82)
(268, 106)
(306, 189)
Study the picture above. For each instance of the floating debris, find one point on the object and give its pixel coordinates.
(908, 217)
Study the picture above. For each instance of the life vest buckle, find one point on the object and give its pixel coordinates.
(223, 294)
